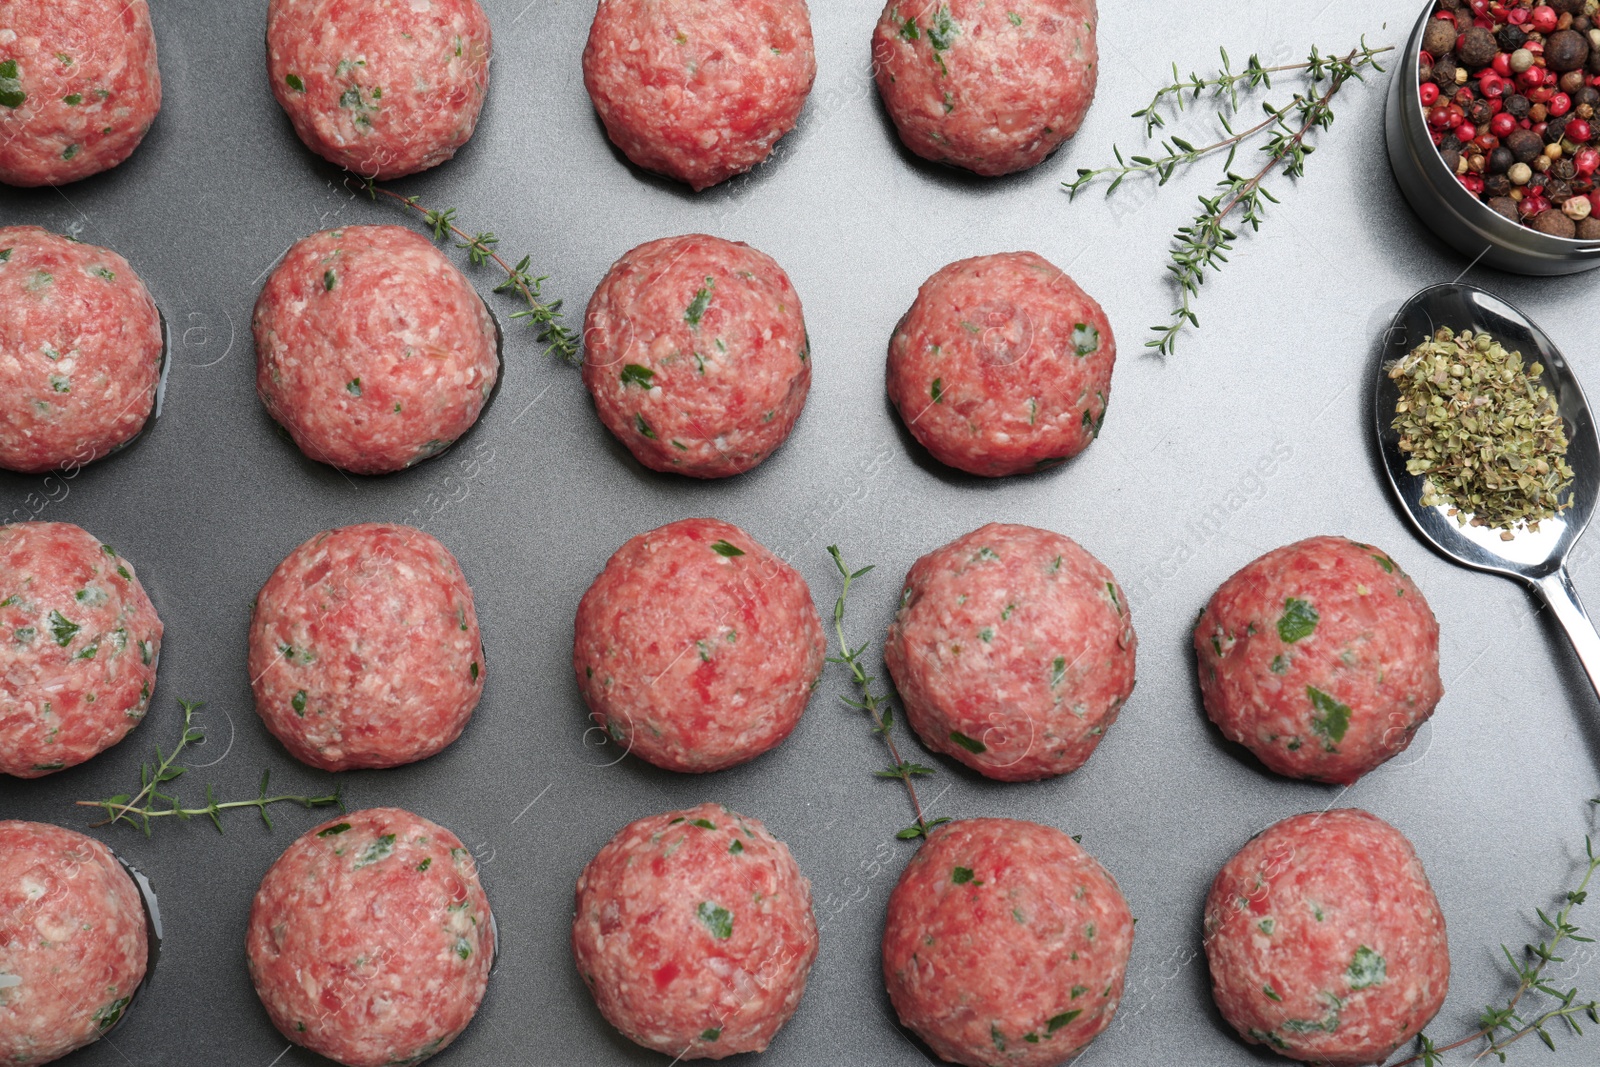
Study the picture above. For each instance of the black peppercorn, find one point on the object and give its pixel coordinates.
(1594, 65)
(1589, 229)
(1444, 72)
(1479, 112)
(1511, 38)
(1555, 224)
(1500, 160)
(1525, 145)
(1564, 168)
(1556, 129)
(1583, 24)
(1537, 182)
(1567, 7)
(1572, 81)
(1564, 50)
(1478, 47)
(1496, 185)
(1451, 157)
(1451, 143)
(1439, 37)
(1505, 206)
(1557, 191)
(1518, 105)
(1587, 95)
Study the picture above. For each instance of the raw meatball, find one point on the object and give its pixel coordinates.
(1321, 657)
(697, 648)
(693, 931)
(80, 351)
(1002, 365)
(384, 88)
(79, 87)
(994, 88)
(699, 90)
(374, 352)
(697, 355)
(1325, 940)
(1013, 651)
(73, 943)
(78, 646)
(365, 649)
(1006, 943)
(370, 939)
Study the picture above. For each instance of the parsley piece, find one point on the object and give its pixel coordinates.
(334, 830)
(716, 918)
(1298, 621)
(971, 745)
(293, 81)
(11, 94)
(1331, 719)
(697, 307)
(380, 849)
(62, 628)
(961, 875)
(1366, 969)
(634, 374)
(642, 426)
(723, 548)
(1085, 339)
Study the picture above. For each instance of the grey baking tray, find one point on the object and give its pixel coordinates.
(1254, 434)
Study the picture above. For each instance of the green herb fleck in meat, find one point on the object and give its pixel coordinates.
(72, 99)
(71, 150)
(975, 747)
(634, 374)
(986, 634)
(1064, 1019)
(329, 280)
(711, 1033)
(1085, 339)
(1366, 969)
(335, 830)
(63, 628)
(463, 948)
(106, 1017)
(942, 29)
(427, 862)
(60, 383)
(697, 307)
(5, 255)
(293, 81)
(723, 548)
(1298, 620)
(1016, 19)
(1279, 664)
(473, 670)
(717, 919)
(908, 29)
(961, 875)
(1058, 671)
(1267, 926)
(298, 703)
(1330, 719)
(1272, 994)
(353, 387)
(704, 824)
(11, 94)
(642, 426)
(737, 847)
(380, 849)
(937, 391)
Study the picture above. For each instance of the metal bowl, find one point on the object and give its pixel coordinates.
(1460, 219)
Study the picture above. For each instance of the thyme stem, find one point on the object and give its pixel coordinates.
(877, 707)
(137, 809)
(1515, 1025)
(480, 248)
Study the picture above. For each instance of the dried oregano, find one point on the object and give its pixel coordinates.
(1482, 430)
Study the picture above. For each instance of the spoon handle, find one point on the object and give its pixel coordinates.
(1558, 591)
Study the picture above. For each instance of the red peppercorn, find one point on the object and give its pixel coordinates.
(1472, 183)
(1502, 124)
(1517, 16)
(1533, 205)
(1587, 161)
(1429, 94)
(1559, 105)
(1545, 18)
(1466, 132)
(1539, 128)
(1531, 78)
(1488, 142)
(1578, 131)
(1492, 86)
(1501, 64)
(1541, 95)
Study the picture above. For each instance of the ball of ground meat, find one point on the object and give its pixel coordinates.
(696, 355)
(384, 88)
(696, 648)
(79, 87)
(693, 931)
(699, 90)
(73, 941)
(80, 351)
(1013, 652)
(79, 640)
(1325, 940)
(373, 350)
(1006, 943)
(1321, 657)
(1002, 365)
(994, 88)
(370, 939)
(365, 649)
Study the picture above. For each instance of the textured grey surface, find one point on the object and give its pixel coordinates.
(1253, 435)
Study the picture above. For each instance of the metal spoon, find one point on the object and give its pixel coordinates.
(1538, 559)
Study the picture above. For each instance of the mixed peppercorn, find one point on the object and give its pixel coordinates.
(1510, 89)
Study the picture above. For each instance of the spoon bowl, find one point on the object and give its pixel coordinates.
(1537, 558)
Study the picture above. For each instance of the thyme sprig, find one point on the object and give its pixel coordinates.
(876, 706)
(1503, 1025)
(1227, 82)
(1201, 248)
(481, 249)
(137, 809)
